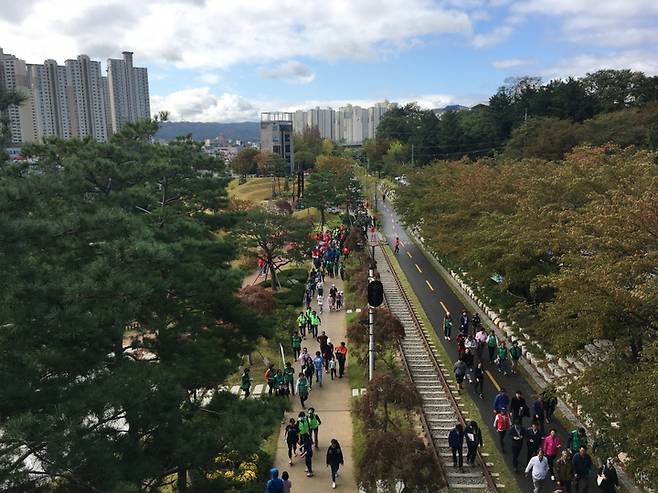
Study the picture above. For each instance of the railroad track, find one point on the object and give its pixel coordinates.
(441, 408)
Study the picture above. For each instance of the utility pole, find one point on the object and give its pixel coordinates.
(371, 329)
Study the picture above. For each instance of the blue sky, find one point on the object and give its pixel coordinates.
(227, 60)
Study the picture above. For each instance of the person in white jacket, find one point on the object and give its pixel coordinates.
(538, 466)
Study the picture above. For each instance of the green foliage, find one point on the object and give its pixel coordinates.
(118, 308)
(245, 163)
(7, 99)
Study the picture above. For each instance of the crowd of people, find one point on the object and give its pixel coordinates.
(327, 362)
(568, 467)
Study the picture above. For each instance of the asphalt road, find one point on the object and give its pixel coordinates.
(436, 297)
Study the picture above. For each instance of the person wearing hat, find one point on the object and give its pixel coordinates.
(607, 478)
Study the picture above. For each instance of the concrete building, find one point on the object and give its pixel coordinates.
(86, 96)
(276, 130)
(14, 77)
(48, 83)
(128, 91)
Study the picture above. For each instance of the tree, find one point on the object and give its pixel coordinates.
(7, 99)
(321, 193)
(280, 239)
(335, 165)
(119, 313)
(245, 163)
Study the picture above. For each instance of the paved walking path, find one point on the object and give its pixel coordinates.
(332, 405)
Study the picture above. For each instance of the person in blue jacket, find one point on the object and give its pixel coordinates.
(456, 444)
(274, 485)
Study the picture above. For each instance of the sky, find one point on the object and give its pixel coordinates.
(228, 60)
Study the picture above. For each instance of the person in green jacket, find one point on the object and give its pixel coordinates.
(447, 326)
(302, 388)
(280, 383)
(289, 377)
(301, 323)
(502, 358)
(245, 382)
(314, 423)
(296, 343)
(315, 321)
(492, 345)
(303, 426)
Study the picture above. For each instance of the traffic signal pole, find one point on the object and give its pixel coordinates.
(371, 331)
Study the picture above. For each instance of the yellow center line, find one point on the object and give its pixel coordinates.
(444, 307)
(493, 380)
(409, 254)
(418, 268)
(429, 285)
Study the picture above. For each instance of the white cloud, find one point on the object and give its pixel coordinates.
(292, 71)
(202, 105)
(210, 78)
(512, 62)
(493, 37)
(641, 61)
(197, 33)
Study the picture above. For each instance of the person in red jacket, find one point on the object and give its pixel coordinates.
(502, 424)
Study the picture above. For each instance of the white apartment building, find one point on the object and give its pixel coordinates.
(349, 125)
(128, 91)
(13, 77)
(74, 100)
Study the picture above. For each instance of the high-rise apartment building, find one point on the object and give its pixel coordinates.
(349, 125)
(73, 100)
(128, 91)
(13, 77)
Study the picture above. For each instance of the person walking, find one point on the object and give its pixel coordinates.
(289, 377)
(275, 484)
(396, 250)
(320, 300)
(502, 424)
(314, 423)
(551, 447)
(287, 484)
(315, 321)
(608, 479)
(563, 472)
(463, 323)
(481, 340)
(302, 388)
(501, 401)
(475, 321)
(301, 324)
(269, 378)
(492, 345)
(460, 373)
(447, 326)
(309, 371)
(334, 459)
(307, 453)
(291, 437)
(518, 407)
(582, 467)
(341, 357)
(473, 436)
(332, 367)
(517, 434)
(456, 444)
(538, 469)
(318, 365)
(280, 383)
(515, 355)
(478, 375)
(502, 358)
(296, 343)
(534, 437)
(245, 382)
(577, 439)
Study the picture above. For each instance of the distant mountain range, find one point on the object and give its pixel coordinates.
(202, 130)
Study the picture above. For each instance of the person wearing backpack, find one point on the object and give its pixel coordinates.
(460, 373)
(515, 355)
(492, 345)
(314, 423)
(334, 459)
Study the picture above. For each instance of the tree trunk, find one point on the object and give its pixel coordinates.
(322, 219)
(275, 279)
(181, 480)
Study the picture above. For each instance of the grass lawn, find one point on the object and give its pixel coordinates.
(254, 190)
(506, 476)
